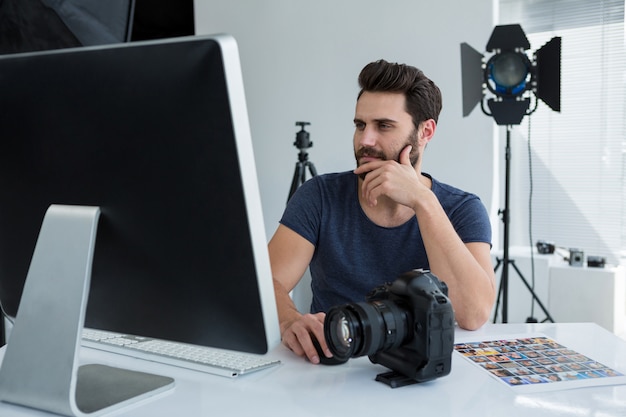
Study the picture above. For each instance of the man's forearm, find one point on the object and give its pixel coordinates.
(287, 311)
(466, 269)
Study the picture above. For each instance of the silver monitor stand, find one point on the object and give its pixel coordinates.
(40, 367)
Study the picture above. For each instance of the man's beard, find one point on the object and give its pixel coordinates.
(414, 156)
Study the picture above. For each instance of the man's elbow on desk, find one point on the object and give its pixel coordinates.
(473, 321)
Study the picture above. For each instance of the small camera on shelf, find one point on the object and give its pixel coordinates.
(596, 261)
(576, 257)
(544, 247)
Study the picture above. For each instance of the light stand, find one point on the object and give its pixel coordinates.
(302, 143)
(512, 79)
(505, 261)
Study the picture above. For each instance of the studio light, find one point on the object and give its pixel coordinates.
(511, 78)
(509, 81)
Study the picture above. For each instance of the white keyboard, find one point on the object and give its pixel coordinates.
(199, 358)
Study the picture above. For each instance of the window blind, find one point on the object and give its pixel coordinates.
(578, 155)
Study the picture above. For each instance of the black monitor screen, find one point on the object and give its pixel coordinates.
(156, 134)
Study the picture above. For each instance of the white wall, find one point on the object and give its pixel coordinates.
(300, 61)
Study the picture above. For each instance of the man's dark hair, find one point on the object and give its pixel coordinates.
(423, 97)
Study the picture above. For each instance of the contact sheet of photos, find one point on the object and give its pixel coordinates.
(538, 362)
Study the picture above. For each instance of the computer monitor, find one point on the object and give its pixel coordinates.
(156, 135)
(37, 25)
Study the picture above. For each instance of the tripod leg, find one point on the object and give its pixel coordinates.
(312, 169)
(298, 176)
(532, 292)
(498, 263)
(500, 290)
(303, 173)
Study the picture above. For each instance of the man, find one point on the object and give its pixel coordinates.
(357, 230)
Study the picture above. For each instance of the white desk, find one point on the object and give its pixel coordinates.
(297, 388)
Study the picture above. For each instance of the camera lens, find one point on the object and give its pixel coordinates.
(359, 329)
(340, 333)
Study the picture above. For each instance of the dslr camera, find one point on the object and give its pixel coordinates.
(406, 326)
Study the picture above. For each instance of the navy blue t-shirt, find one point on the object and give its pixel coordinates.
(352, 254)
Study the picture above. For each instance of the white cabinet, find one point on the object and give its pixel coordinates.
(583, 294)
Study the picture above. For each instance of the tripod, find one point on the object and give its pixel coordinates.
(503, 292)
(302, 142)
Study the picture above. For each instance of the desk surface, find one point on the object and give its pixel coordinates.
(297, 388)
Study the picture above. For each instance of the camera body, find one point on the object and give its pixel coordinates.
(427, 352)
(406, 326)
